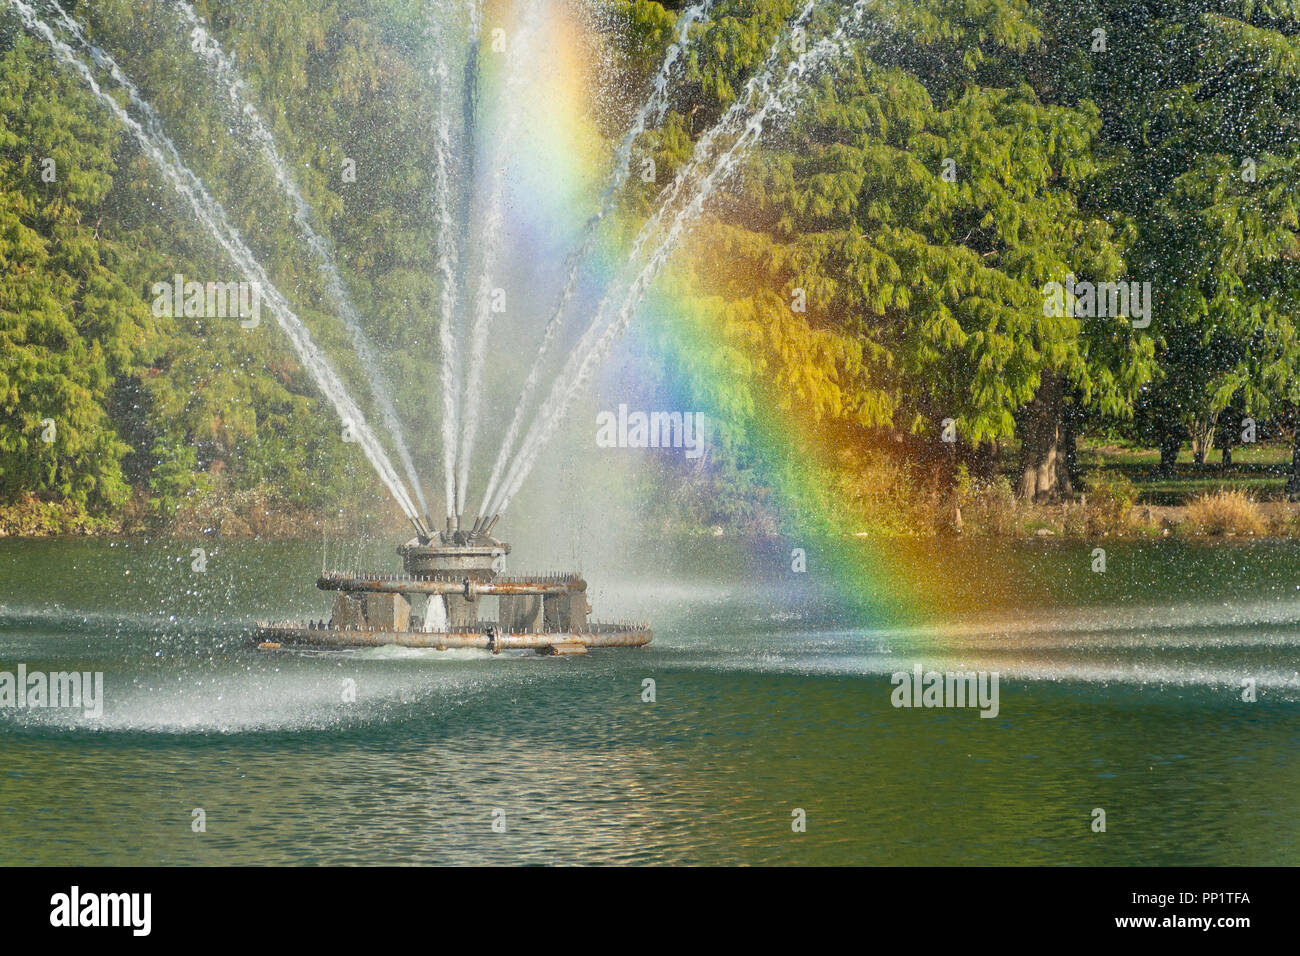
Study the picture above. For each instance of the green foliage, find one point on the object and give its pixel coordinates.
(1202, 135)
(1111, 495)
(917, 200)
(69, 321)
(206, 405)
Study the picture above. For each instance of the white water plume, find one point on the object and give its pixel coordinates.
(159, 148)
(701, 153)
(513, 97)
(591, 351)
(435, 614)
(223, 68)
(655, 106)
(448, 270)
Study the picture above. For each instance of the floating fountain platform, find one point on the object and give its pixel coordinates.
(434, 603)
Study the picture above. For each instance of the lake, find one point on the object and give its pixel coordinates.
(1118, 691)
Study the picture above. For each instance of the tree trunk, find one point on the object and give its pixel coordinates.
(982, 460)
(1045, 455)
(1293, 479)
(1203, 430)
(1073, 417)
(1227, 438)
(1170, 444)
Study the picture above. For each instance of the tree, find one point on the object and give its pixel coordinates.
(81, 346)
(917, 203)
(1202, 136)
(69, 323)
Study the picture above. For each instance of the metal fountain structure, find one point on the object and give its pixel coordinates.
(435, 602)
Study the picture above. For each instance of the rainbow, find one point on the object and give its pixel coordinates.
(555, 180)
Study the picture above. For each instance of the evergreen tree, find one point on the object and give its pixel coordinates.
(69, 323)
(918, 204)
(1202, 135)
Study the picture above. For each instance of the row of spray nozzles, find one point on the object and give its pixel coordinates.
(481, 528)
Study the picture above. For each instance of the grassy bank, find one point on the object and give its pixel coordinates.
(1122, 492)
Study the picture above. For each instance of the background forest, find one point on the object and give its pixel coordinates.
(873, 280)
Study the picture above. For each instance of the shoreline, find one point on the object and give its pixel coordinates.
(1065, 521)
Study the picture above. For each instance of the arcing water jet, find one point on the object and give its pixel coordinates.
(224, 70)
(162, 152)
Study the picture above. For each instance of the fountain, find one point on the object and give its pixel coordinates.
(435, 600)
(450, 573)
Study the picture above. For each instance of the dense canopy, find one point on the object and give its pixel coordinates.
(874, 275)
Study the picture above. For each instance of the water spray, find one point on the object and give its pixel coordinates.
(578, 370)
(655, 105)
(162, 152)
(223, 67)
(448, 272)
(494, 221)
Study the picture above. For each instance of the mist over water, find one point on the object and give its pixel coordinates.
(512, 106)
(698, 180)
(654, 106)
(445, 203)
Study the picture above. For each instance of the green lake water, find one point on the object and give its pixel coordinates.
(1120, 691)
